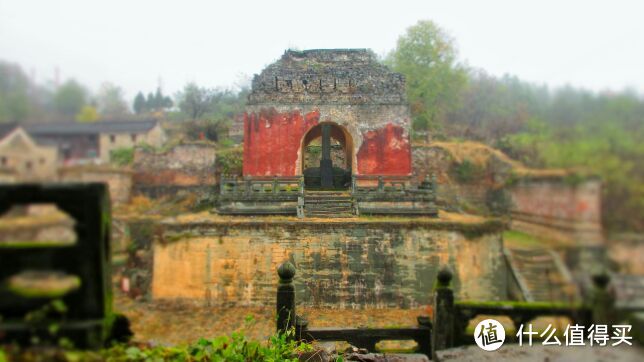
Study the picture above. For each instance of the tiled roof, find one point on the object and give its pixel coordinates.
(64, 128)
(6, 128)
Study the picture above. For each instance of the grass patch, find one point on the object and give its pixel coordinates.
(521, 239)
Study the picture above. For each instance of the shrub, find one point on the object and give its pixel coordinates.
(229, 161)
(467, 171)
(122, 156)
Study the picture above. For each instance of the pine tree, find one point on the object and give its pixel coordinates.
(140, 105)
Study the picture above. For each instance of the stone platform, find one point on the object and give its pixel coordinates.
(346, 262)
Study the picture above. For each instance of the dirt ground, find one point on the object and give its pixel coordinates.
(172, 323)
(163, 323)
(169, 323)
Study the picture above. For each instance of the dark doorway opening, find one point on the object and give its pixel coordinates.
(327, 157)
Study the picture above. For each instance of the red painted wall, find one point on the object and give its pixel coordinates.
(385, 151)
(272, 141)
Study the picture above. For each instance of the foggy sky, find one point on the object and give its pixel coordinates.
(137, 44)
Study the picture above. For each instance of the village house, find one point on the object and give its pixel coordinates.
(80, 143)
(22, 158)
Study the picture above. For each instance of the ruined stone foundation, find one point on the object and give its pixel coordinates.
(340, 263)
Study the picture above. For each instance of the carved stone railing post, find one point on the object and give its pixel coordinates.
(602, 307)
(353, 184)
(275, 185)
(301, 327)
(300, 207)
(285, 297)
(443, 325)
(425, 345)
(247, 186)
(381, 185)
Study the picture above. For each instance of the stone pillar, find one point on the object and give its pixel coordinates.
(443, 326)
(326, 165)
(285, 297)
(602, 306)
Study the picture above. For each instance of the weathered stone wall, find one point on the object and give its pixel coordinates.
(189, 166)
(558, 204)
(118, 180)
(469, 190)
(344, 264)
(559, 209)
(348, 88)
(628, 252)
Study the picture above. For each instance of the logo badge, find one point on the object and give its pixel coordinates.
(489, 335)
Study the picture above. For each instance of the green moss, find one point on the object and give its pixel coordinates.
(48, 289)
(518, 238)
(34, 244)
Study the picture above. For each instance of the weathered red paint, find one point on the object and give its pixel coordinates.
(272, 141)
(385, 151)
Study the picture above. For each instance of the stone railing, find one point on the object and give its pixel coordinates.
(373, 194)
(359, 337)
(394, 195)
(364, 185)
(261, 195)
(262, 186)
(446, 327)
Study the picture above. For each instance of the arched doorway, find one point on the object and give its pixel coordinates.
(327, 157)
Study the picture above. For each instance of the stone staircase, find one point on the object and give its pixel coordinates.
(328, 204)
(541, 275)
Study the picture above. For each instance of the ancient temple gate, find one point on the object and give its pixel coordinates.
(326, 133)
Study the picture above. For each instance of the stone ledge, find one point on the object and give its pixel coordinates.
(446, 221)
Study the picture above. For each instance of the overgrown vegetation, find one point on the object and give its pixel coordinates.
(122, 156)
(232, 348)
(229, 161)
(541, 127)
(468, 171)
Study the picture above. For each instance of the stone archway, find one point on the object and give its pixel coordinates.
(327, 156)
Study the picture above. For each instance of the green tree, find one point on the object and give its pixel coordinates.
(111, 103)
(139, 105)
(161, 101)
(70, 98)
(87, 114)
(425, 54)
(14, 93)
(195, 101)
